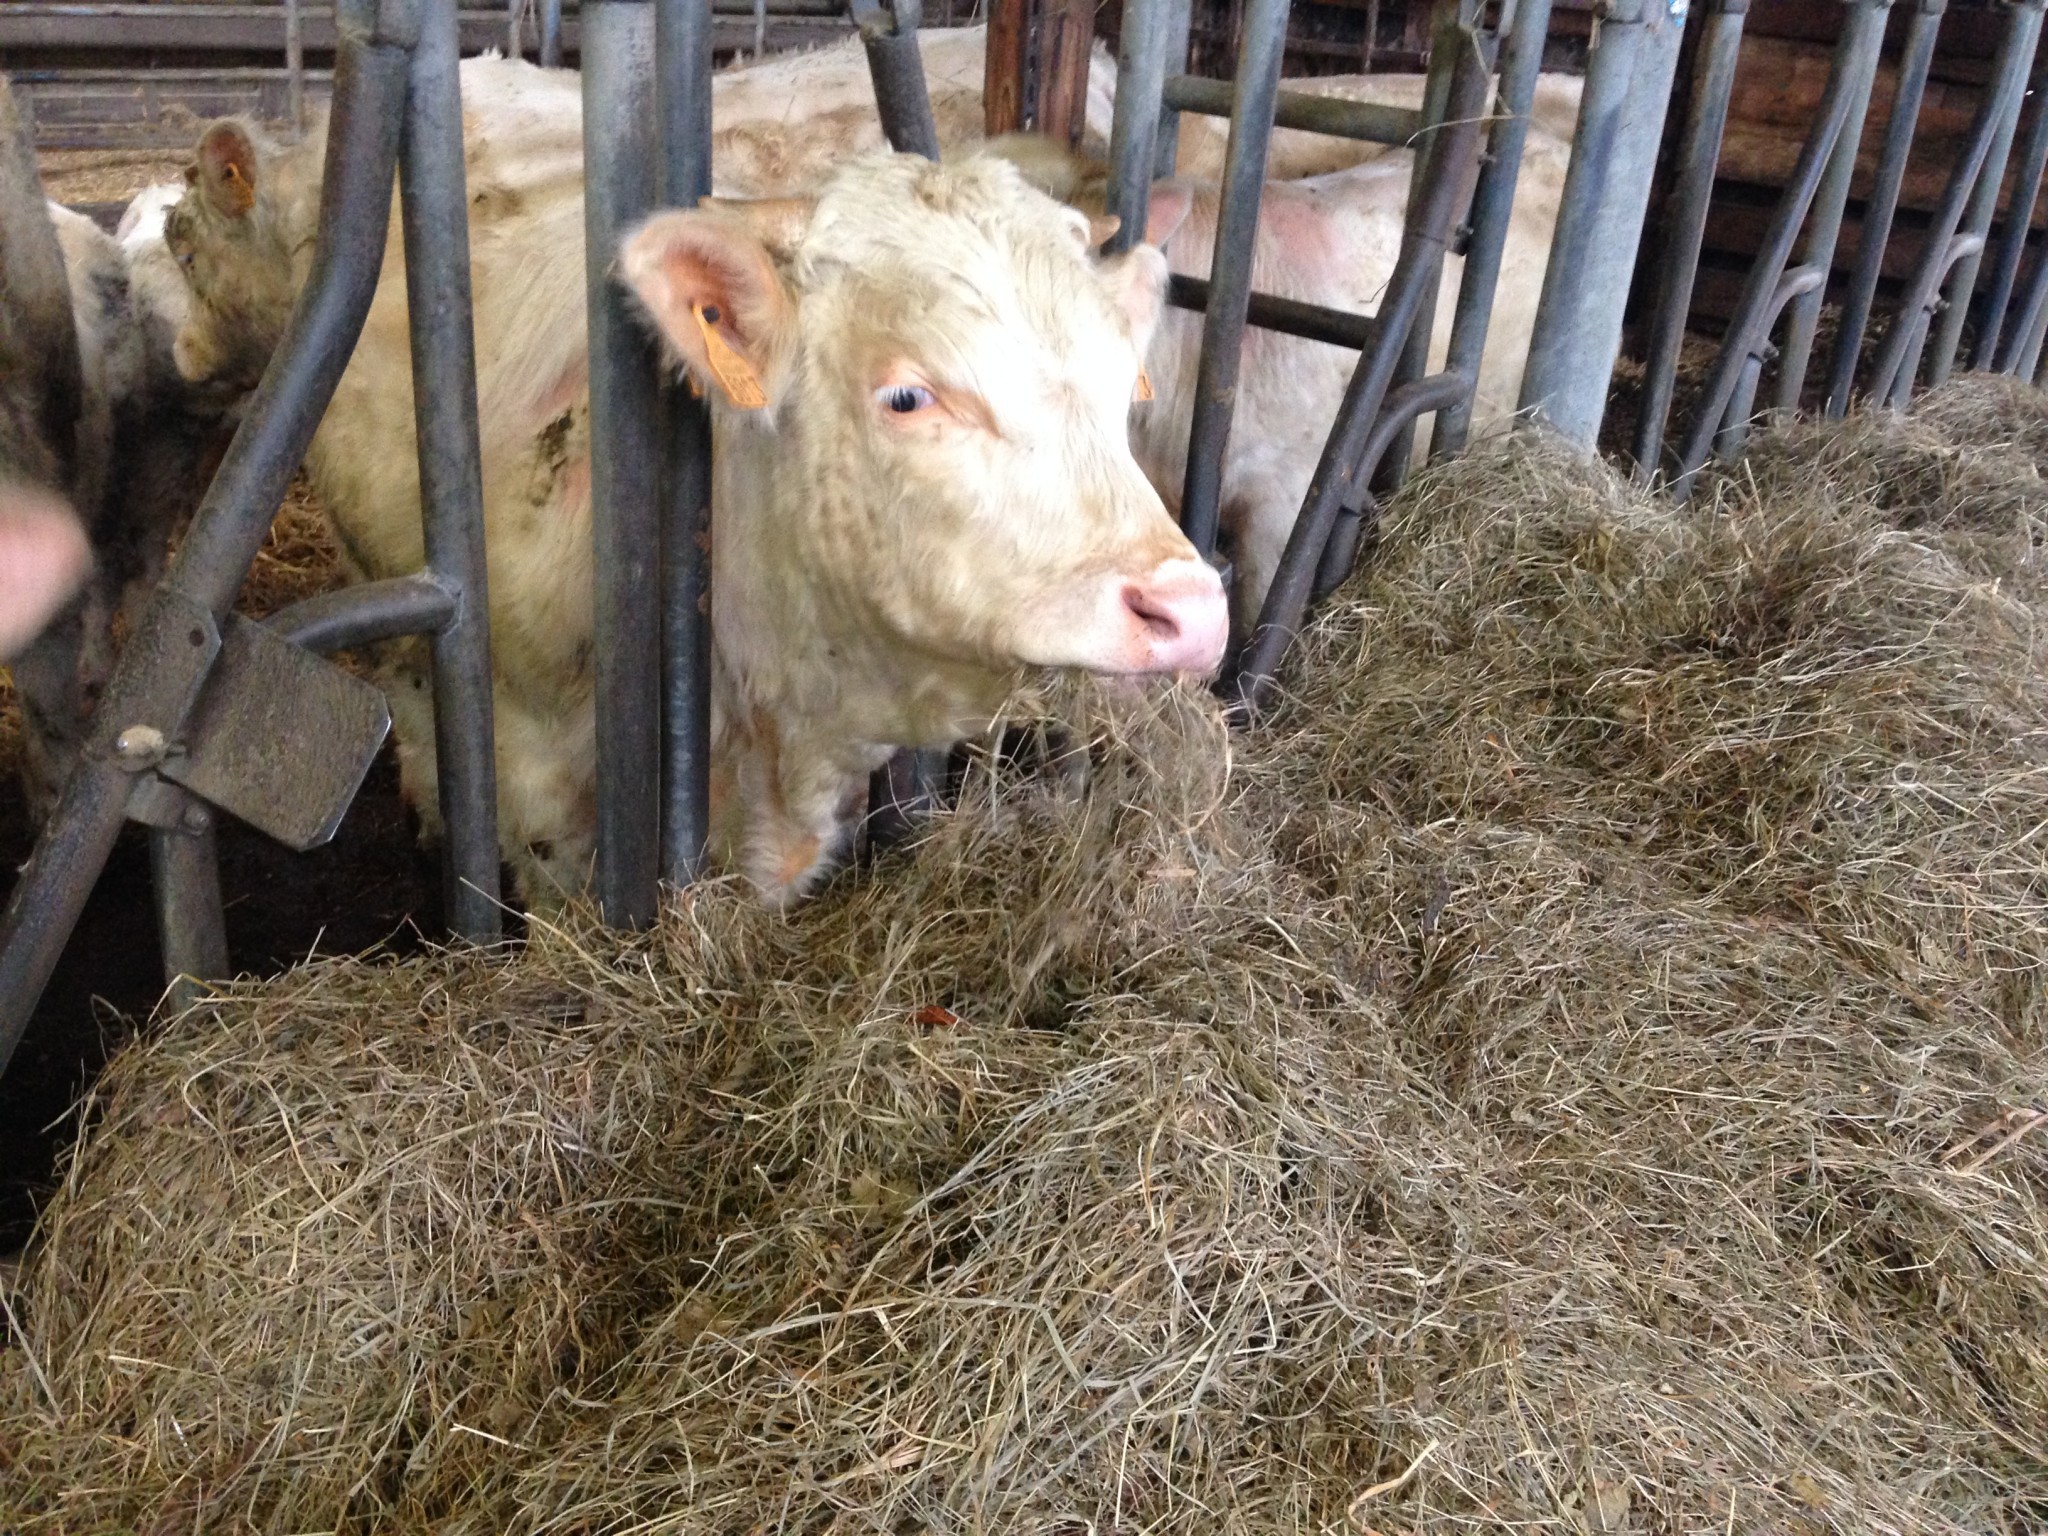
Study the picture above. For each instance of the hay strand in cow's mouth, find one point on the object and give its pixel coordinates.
(1582, 1068)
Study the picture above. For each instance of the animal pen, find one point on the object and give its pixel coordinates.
(209, 711)
(676, 1218)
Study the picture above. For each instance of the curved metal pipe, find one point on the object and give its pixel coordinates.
(366, 613)
(1437, 392)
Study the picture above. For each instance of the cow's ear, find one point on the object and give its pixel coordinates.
(1137, 286)
(226, 172)
(1171, 204)
(709, 281)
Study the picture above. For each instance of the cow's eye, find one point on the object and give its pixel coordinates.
(906, 399)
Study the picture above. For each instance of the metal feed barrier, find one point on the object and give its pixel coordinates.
(210, 711)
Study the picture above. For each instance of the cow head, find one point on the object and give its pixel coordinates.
(230, 234)
(945, 371)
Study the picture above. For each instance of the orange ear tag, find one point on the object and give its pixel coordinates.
(734, 373)
(1144, 386)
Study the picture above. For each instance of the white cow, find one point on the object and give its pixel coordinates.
(924, 482)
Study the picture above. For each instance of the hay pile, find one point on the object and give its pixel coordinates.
(1584, 1068)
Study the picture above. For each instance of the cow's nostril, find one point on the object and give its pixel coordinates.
(1156, 616)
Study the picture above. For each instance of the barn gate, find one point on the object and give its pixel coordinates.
(208, 711)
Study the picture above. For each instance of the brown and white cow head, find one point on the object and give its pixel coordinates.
(242, 243)
(945, 371)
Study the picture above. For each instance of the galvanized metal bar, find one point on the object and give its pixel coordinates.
(1860, 43)
(1898, 359)
(1340, 473)
(619, 155)
(1577, 335)
(1338, 327)
(184, 868)
(1686, 224)
(1369, 121)
(1439, 392)
(230, 525)
(551, 34)
(1883, 204)
(1493, 206)
(295, 63)
(1762, 290)
(682, 50)
(1179, 22)
(1893, 381)
(2022, 351)
(889, 34)
(2023, 32)
(1794, 285)
(370, 611)
(1263, 48)
(2012, 243)
(1134, 130)
(515, 41)
(1456, 28)
(434, 213)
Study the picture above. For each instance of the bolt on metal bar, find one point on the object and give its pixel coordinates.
(1698, 158)
(625, 512)
(1861, 42)
(682, 53)
(2024, 31)
(1135, 131)
(230, 525)
(889, 34)
(2012, 244)
(1340, 472)
(1898, 360)
(1749, 328)
(1262, 49)
(1883, 204)
(1456, 27)
(1493, 206)
(1369, 121)
(551, 34)
(1577, 334)
(434, 214)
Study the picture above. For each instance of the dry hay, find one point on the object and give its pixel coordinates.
(1585, 1069)
(109, 175)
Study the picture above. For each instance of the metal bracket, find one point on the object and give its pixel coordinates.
(280, 738)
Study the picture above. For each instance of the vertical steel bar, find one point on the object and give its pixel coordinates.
(2023, 350)
(515, 41)
(551, 34)
(1577, 334)
(1735, 420)
(896, 66)
(1758, 308)
(1493, 206)
(1448, 34)
(1259, 57)
(184, 866)
(1686, 224)
(2012, 244)
(619, 161)
(230, 525)
(435, 217)
(1898, 360)
(682, 50)
(1878, 212)
(1179, 23)
(1133, 132)
(1861, 41)
(295, 65)
(2024, 30)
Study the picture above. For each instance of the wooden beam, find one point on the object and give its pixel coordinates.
(1065, 35)
(1002, 86)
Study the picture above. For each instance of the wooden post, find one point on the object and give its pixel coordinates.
(1065, 37)
(1002, 86)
